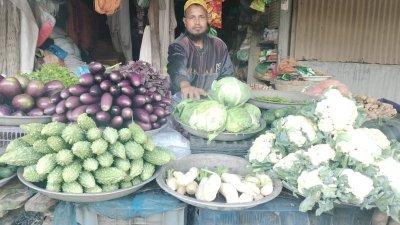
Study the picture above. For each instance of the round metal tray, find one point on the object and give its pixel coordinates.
(235, 165)
(5, 180)
(18, 120)
(316, 78)
(155, 131)
(86, 197)
(275, 93)
(225, 136)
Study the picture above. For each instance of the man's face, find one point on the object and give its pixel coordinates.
(196, 20)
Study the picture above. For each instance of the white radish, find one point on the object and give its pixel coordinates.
(229, 192)
(171, 183)
(236, 181)
(253, 187)
(208, 188)
(245, 198)
(191, 188)
(267, 189)
(185, 179)
(181, 190)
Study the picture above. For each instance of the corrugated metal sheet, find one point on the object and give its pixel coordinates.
(347, 31)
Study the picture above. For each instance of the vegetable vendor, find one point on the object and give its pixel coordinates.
(196, 59)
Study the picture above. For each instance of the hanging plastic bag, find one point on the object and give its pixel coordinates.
(214, 10)
(258, 5)
(174, 141)
(107, 7)
(46, 23)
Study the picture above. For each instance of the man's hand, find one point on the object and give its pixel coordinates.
(191, 92)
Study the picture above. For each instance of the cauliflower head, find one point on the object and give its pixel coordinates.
(360, 145)
(357, 184)
(320, 154)
(300, 130)
(390, 168)
(335, 112)
(309, 179)
(261, 147)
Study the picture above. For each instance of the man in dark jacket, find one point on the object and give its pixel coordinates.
(196, 59)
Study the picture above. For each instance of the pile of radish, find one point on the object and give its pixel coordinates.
(135, 91)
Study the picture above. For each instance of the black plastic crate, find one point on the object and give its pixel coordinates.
(7, 134)
(235, 148)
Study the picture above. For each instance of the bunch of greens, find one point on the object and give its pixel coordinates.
(49, 72)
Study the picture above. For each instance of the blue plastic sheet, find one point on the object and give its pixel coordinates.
(142, 204)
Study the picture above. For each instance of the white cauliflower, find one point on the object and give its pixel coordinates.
(336, 113)
(390, 168)
(360, 146)
(358, 184)
(309, 179)
(299, 130)
(261, 147)
(320, 154)
(377, 137)
(286, 162)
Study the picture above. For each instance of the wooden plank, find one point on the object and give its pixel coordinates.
(155, 35)
(253, 56)
(40, 203)
(284, 29)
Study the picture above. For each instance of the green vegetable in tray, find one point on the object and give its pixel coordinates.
(230, 91)
(238, 120)
(282, 100)
(49, 72)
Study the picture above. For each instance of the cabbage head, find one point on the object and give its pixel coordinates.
(238, 120)
(209, 116)
(230, 91)
(184, 110)
(255, 114)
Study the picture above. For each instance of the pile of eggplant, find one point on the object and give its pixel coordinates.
(135, 91)
(20, 96)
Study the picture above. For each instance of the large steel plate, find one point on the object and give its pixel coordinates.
(18, 120)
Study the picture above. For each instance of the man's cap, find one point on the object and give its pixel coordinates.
(191, 2)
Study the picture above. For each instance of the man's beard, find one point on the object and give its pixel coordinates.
(196, 37)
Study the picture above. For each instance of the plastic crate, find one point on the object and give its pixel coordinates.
(172, 217)
(7, 134)
(235, 148)
(283, 210)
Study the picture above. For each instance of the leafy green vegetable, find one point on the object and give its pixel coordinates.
(230, 91)
(50, 72)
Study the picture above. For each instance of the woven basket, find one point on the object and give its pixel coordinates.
(292, 85)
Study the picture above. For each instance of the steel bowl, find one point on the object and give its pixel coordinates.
(155, 131)
(235, 165)
(5, 180)
(301, 98)
(85, 197)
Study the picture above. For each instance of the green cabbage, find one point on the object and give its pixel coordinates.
(208, 116)
(184, 110)
(255, 114)
(238, 120)
(230, 91)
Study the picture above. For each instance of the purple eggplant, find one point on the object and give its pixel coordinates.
(72, 102)
(95, 91)
(167, 112)
(55, 97)
(96, 67)
(166, 101)
(159, 104)
(117, 122)
(98, 78)
(162, 121)
(18, 113)
(124, 83)
(139, 100)
(105, 85)
(160, 112)
(148, 107)
(77, 90)
(93, 109)
(59, 118)
(153, 118)
(103, 117)
(116, 76)
(10, 87)
(141, 115)
(135, 79)
(148, 99)
(88, 99)
(60, 107)
(5, 110)
(43, 102)
(123, 101)
(54, 85)
(35, 88)
(115, 90)
(35, 112)
(127, 113)
(127, 90)
(77, 111)
(86, 79)
(115, 110)
(144, 126)
(106, 101)
(64, 94)
(141, 90)
(68, 114)
(23, 102)
(155, 125)
(50, 109)
(156, 96)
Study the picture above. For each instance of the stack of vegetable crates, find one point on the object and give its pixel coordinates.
(7, 134)
(283, 210)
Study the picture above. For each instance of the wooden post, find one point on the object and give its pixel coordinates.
(284, 29)
(155, 35)
(254, 53)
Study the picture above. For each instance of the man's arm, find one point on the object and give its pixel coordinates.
(227, 70)
(176, 67)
